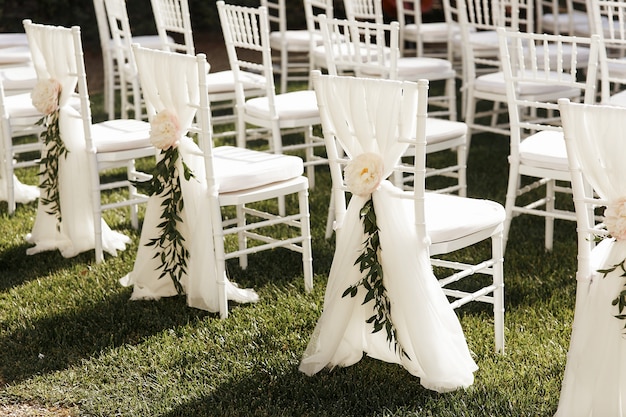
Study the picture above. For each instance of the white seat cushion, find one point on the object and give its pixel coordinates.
(224, 81)
(15, 55)
(430, 32)
(239, 169)
(545, 149)
(618, 99)
(449, 217)
(494, 83)
(295, 40)
(439, 130)
(481, 41)
(292, 105)
(422, 65)
(19, 78)
(13, 39)
(121, 135)
(21, 105)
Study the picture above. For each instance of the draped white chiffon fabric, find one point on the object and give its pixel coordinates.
(24, 193)
(53, 57)
(426, 325)
(200, 282)
(173, 87)
(594, 383)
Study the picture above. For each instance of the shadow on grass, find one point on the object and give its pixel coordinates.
(369, 387)
(60, 341)
(18, 268)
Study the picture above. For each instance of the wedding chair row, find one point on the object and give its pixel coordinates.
(199, 180)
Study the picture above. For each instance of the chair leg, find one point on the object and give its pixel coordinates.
(497, 252)
(97, 226)
(331, 217)
(549, 235)
(284, 70)
(305, 226)
(511, 196)
(276, 144)
(461, 157)
(132, 193)
(242, 242)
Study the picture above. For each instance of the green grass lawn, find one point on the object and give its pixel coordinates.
(71, 337)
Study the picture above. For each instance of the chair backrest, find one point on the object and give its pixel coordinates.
(595, 144)
(276, 14)
(410, 12)
(246, 35)
(312, 10)
(544, 66)
(365, 10)
(608, 20)
(119, 27)
(57, 53)
(173, 24)
(362, 115)
(178, 83)
(361, 47)
(103, 25)
(564, 17)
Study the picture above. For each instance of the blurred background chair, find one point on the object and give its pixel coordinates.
(537, 149)
(109, 57)
(173, 22)
(21, 147)
(421, 38)
(290, 47)
(276, 115)
(608, 21)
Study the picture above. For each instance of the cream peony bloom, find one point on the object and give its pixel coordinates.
(45, 95)
(615, 219)
(165, 130)
(364, 173)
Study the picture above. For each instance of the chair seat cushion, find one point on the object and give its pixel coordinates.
(239, 169)
(482, 41)
(439, 130)
(449, 217)
(20, 105)
(294, 40)
(545, 149)
(430, 32)
(224, 81)
(22, 78)
(618, 99)
(121, 135)
(292, 105)
(422, 65)
(13, 39)
(494, 83)
(15, 55)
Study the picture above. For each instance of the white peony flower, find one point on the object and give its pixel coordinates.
(615, 219)
(364, 173)
(45, 95)
(165, 130)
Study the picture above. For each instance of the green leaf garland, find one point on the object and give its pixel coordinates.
(372, 281)
(170, 244)
(55, 150)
